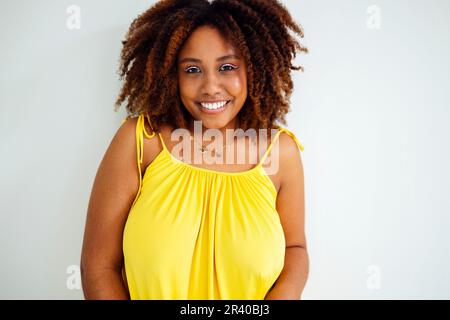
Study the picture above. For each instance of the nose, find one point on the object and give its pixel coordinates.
(211, 85)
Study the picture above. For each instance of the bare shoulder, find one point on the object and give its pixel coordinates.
(115, 186)
(291, 198)
(119, 161)
(290, 158)
(152, 143)
(288, 146)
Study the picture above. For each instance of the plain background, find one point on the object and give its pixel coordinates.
(371, 109)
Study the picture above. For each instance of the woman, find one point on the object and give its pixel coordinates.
(167, 227)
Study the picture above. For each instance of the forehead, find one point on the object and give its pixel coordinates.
(206, 43)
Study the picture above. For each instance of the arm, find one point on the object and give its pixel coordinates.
(291, 208)
(115, 186)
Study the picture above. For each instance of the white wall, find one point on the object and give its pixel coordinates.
(371, 109)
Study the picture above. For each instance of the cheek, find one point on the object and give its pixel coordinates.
(188, 89)
(237, 86)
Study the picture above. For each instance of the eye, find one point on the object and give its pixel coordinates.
(190, 68)
(229, 66)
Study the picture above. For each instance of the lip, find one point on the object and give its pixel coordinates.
(213, 101)
(204, 110)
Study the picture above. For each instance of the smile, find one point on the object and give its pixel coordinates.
(215, 107)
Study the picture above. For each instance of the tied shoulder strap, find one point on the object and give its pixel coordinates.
(293, 137)
(140, 131)
(290, 133)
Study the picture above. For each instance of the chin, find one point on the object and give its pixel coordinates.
(214, 123)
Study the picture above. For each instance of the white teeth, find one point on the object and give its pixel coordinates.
(213, 106)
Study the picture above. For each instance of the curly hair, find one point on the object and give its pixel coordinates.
(259, 29)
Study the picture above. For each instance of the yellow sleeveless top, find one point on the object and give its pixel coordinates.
(196, 233)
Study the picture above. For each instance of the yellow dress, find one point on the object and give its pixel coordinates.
(196, 233)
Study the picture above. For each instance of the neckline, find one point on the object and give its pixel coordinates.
(175, 161)
(258, 168)
(190, 166)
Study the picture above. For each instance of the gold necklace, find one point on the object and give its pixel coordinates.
(205, 148)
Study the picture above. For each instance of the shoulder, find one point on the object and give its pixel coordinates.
(151, 146)
(130, 124)
(290, 157)
(125, 136)
(288, 145)
(116, 169)
(121, 154)
(130, 127)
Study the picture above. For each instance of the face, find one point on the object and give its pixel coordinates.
(211, 70)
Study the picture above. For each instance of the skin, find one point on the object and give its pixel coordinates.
(117, 179)
(291, 209)
(211, 69)
(209, 79)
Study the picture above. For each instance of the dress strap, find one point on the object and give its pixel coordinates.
(150, 124)
(280, 130)
(153, 131)
(141, 119)
(140, 131)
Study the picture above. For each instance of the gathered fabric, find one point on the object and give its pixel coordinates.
(196, 233)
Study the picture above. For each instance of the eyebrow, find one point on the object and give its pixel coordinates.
(230, 56)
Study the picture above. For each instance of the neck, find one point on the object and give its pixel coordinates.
(233, 124)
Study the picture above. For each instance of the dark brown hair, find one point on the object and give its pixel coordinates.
(259, 29)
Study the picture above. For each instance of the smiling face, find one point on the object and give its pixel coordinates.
(211, 70)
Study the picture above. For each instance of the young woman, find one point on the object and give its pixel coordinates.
(167, 227)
